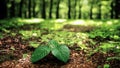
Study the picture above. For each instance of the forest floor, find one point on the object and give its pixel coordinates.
(15, 52)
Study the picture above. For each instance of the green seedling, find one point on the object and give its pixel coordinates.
(60, 51)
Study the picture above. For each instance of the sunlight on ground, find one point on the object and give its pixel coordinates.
(78, 22)
(29, 21)
(58, 23)
(86, 22)
(99, 23)
(60, 20)
(109, 23)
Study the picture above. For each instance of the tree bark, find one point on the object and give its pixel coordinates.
(75, 9)
(91, 11)
(29, 9)
(3, 9)
(57, 9)
(51, 7)
(69, 9)
(20, 8)
(80, 6)
(12, 9)
(99, 9)
(117, 10)
(112, 10)
(34, 6)
(43, 13)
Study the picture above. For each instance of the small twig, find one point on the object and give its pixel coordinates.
(3, 50)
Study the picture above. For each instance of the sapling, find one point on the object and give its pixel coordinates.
(60, 51)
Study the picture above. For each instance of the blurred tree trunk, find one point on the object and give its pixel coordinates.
(99, 9)
(29, 9)
(20, 8)
(43, 13)
(17, 9)
(12, 9)
(34, 6)
(91, 12)
(91, 7)
(51, 7)
(80, 6)
(3, 9)
(75, 9)
(112, 10)
(25, 9)
(57, 9)
(79, 15)
(117, 10)
(69, 9)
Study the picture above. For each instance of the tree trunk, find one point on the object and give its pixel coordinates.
(75, 9)
(80, 6)
(57, 9)
(117, 10)
(91, 11)
(3, 9)
(20, 8)
(99, 9)
(43, 13)
(69, 9)
(51, 7)
(29, 9)
(112, 10)
(34, 6)
(25, 9)
(12, 9)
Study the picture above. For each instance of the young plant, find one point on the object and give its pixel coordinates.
(60, 51)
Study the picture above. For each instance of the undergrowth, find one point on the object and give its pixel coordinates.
(105, 39)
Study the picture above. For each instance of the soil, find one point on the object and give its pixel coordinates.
(15, 52)
(13, 48)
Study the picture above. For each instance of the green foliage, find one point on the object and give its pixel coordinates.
(113, 58)
(102, 33)
(34, 44)
(109, 47)
(115, 47)
(61, 52)
(30, 33)
(53, 44)
(40, 53)
(109, 38)
(68, 38)
(106, 47)
(1, 36)
(9, 24)
(106, 32)
(106, 66)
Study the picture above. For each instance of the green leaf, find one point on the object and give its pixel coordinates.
(106, 66)
(61, 52)
(53, 44)
(34, 44)
(40, 53)
(113, 58)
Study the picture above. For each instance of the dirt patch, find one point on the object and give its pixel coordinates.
(77, 60)
(79, 28)
(13, 48)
